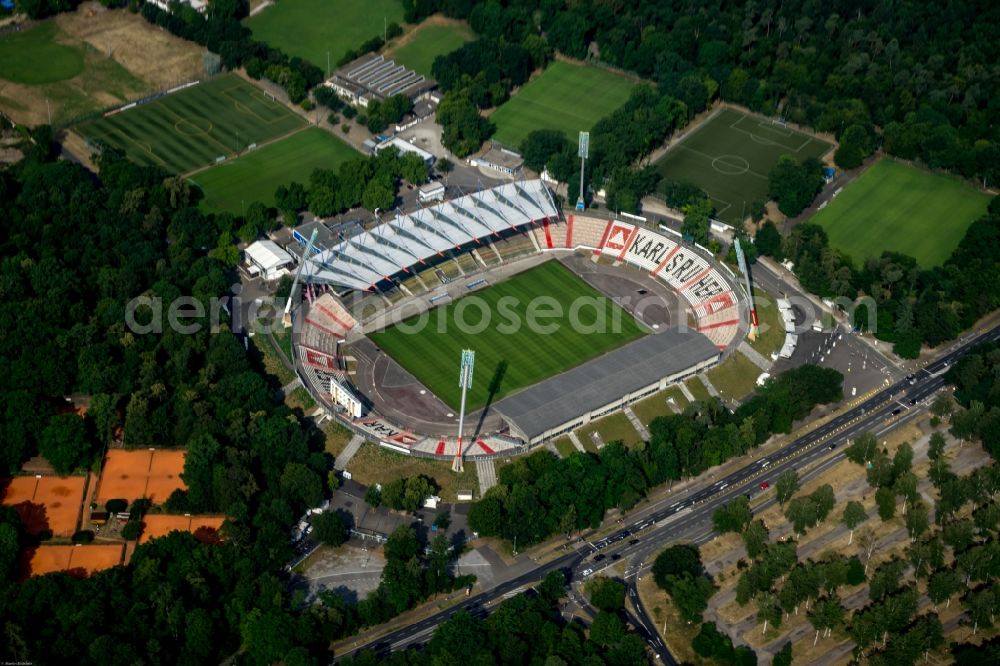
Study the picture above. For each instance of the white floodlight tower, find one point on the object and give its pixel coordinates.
(583, 150)
(742, 261)
(287, 318)
(464, 383)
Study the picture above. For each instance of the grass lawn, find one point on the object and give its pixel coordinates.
(553, 101)
(418, 48)
(300, 399)
(772, 327)
(730, 155)
(531, 356)
(655, 405)
(34, 56)
(375, 464)
(698, 389)
(336, 437)
(892, 206)
(735, 377)
(312, 28)
(611, 428)
(255, 175)
(193, 127)
(270, 360)
(564, 447)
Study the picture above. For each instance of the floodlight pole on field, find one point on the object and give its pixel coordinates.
(464, 382)
(742, 261)
(584, 152)
(287, 318)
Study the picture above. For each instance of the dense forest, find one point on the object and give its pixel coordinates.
(539, 495)
(74, 251)
(917, 79)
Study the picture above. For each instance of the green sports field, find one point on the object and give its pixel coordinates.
(256, 174)
(193, 127)
(427, 42)
(730, 155)
(554, 100)
(900, 208)
(34, 56)
(312, 28)
(531, 356)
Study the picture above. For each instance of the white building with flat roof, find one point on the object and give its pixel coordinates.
(432, 191)
(404, 147)
(267, 259)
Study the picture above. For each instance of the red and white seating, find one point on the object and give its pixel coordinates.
(327, 314)
(686, 270)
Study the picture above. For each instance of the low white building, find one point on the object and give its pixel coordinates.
(199, 6)
(404, 146)
(432, 191)
(267, 259)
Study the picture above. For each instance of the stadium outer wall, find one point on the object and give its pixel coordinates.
(713, 295)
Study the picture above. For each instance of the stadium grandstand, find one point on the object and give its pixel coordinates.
(429, 257)
(376, 258)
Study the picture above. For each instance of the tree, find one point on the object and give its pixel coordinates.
(606, 629)
(942, 406)
(301, 484)
(329, 528)
(826, 615)
(755, 538)
(690, 595)
(786, 485)
(768, 240)
(66, 443)
(784, 656)
(553, 586)
(377, 195)
(854, 515)
(768, 611)
(540, 145)
(442, 520)
(855, 146)
(734, 516)
(606, 594)
(862, 449)
(794, 185)
(935, 447)
(678, 560)
(132, 530)
(697, 217)
(413, 169)
(373, 496)
(886, 501)
(943, 585)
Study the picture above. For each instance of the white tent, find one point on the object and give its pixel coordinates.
(272, 260)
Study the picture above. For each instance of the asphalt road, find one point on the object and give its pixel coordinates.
(687, 514)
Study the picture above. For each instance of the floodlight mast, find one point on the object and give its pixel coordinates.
(742, 261)
(583, 149)
(464, 382)
(287, 319)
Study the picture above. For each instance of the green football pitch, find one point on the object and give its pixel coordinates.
(192, 127)
(531, 353)
(256, 174)
(730, 155)
(892, 206)
(311, 29)
(427, 42)
(566, 97)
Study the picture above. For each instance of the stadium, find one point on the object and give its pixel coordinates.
(378, 335)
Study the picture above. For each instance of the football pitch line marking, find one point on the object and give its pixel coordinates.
(712, 158)
(225, 149)
(244, 108)
(763, 140)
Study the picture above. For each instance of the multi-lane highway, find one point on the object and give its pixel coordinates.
(687, 513)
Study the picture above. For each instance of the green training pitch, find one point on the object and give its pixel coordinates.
(426, 42)
(730, 155)
(310, 29)
(34, 56)
(565, 97)
(531, 355)
(904, 209)
(257, 174)
(193, 127)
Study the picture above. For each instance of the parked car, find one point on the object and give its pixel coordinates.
(764, 485)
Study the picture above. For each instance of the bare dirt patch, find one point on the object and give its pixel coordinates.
(152, 54)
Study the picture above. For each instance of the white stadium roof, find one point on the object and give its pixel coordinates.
(364, 260)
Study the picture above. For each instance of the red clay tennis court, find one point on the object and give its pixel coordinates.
(47, 502)
(205, 528)
(77, 560)
(131, 475)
